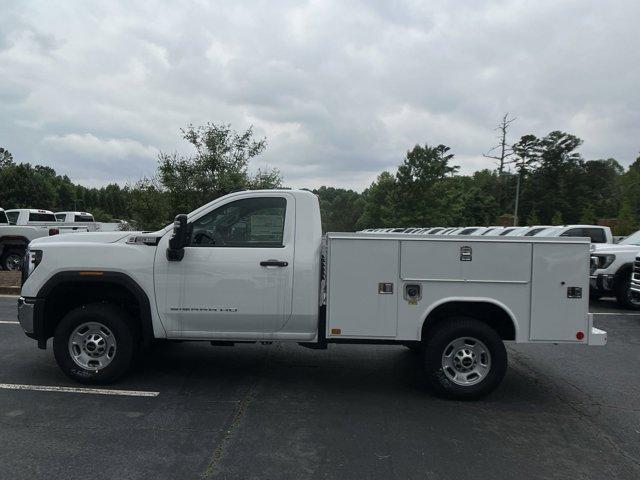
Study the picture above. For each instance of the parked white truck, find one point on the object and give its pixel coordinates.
(253, 266)
(78, 219)
(23, 226)
(611, 268)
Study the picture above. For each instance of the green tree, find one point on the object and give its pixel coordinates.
(6, 159)
(416, 183)
(219, 166)
(379, 203)
(148, 204)
(532, 218)
(556, 219)
(588, 215)
(340, 209)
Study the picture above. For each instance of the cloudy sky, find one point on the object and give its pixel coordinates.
(340, 89)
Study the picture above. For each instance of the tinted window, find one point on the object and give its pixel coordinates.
(251, 222)
(3, 218)
(60, 217)
(83, 218)
(490, 230)
(13, 217)
(596, 234)
(533, 232)
(504, 232)
(42, 217)
(468, 231)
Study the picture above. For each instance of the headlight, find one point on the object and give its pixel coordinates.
(603, 261)
(34, 257)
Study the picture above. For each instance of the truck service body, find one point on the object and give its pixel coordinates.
(254, 266)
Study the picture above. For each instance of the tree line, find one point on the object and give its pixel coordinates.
(556, 186)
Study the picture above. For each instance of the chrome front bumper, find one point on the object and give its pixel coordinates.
(602, 282)
(25, 313)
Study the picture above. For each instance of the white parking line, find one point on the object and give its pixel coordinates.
(93, 391)
(8, 322)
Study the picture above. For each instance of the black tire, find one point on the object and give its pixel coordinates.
(595, 294)
(8, 259)
(440, 338)
(626, 297)
(118, 323)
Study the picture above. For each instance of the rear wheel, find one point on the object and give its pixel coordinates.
(464, 358)
(95, 343)
(626, 297)
(12, 259)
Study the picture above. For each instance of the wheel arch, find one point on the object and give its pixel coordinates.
(623, 272)
(67, 290)
(488, 310)
(14, 240)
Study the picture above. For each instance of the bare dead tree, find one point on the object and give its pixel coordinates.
(501, 152)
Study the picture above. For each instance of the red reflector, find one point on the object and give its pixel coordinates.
(580, 335)
(53, 231)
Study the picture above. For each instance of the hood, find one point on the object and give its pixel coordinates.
(88, 237)
(605, 248)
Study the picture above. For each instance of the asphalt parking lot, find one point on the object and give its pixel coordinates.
(285, 412)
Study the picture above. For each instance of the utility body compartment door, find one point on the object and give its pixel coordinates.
(362, 289)
(558, 270)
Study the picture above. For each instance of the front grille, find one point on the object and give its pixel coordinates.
(636, 270)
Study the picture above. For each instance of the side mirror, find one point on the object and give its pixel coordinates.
(180, 239)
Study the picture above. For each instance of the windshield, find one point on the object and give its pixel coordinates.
(633, 239)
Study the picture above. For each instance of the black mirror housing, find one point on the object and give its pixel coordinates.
(180, 239)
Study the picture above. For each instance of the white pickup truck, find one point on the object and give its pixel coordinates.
(253, 266)
(78, 219)
(25, 225)
(611, 267)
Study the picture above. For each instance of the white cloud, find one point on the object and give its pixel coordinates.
(90, 145)
(340, 89)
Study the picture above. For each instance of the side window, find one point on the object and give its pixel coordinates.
(468, 231)
(574, 232)
(42, 217)
(60, 217)
(13, 217)
(503, 233)
(533, 232)
(597, 235)
(250, 222)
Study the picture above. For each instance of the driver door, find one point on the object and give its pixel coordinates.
(236, 277)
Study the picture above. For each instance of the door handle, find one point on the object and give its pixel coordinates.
(273, 263)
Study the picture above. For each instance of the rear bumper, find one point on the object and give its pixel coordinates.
(597, 337)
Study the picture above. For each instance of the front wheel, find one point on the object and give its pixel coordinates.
(465, 359)
(626, 297)
(95, 344)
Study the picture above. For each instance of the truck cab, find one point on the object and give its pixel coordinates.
(83, 219)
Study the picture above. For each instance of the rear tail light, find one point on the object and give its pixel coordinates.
(54, 231)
